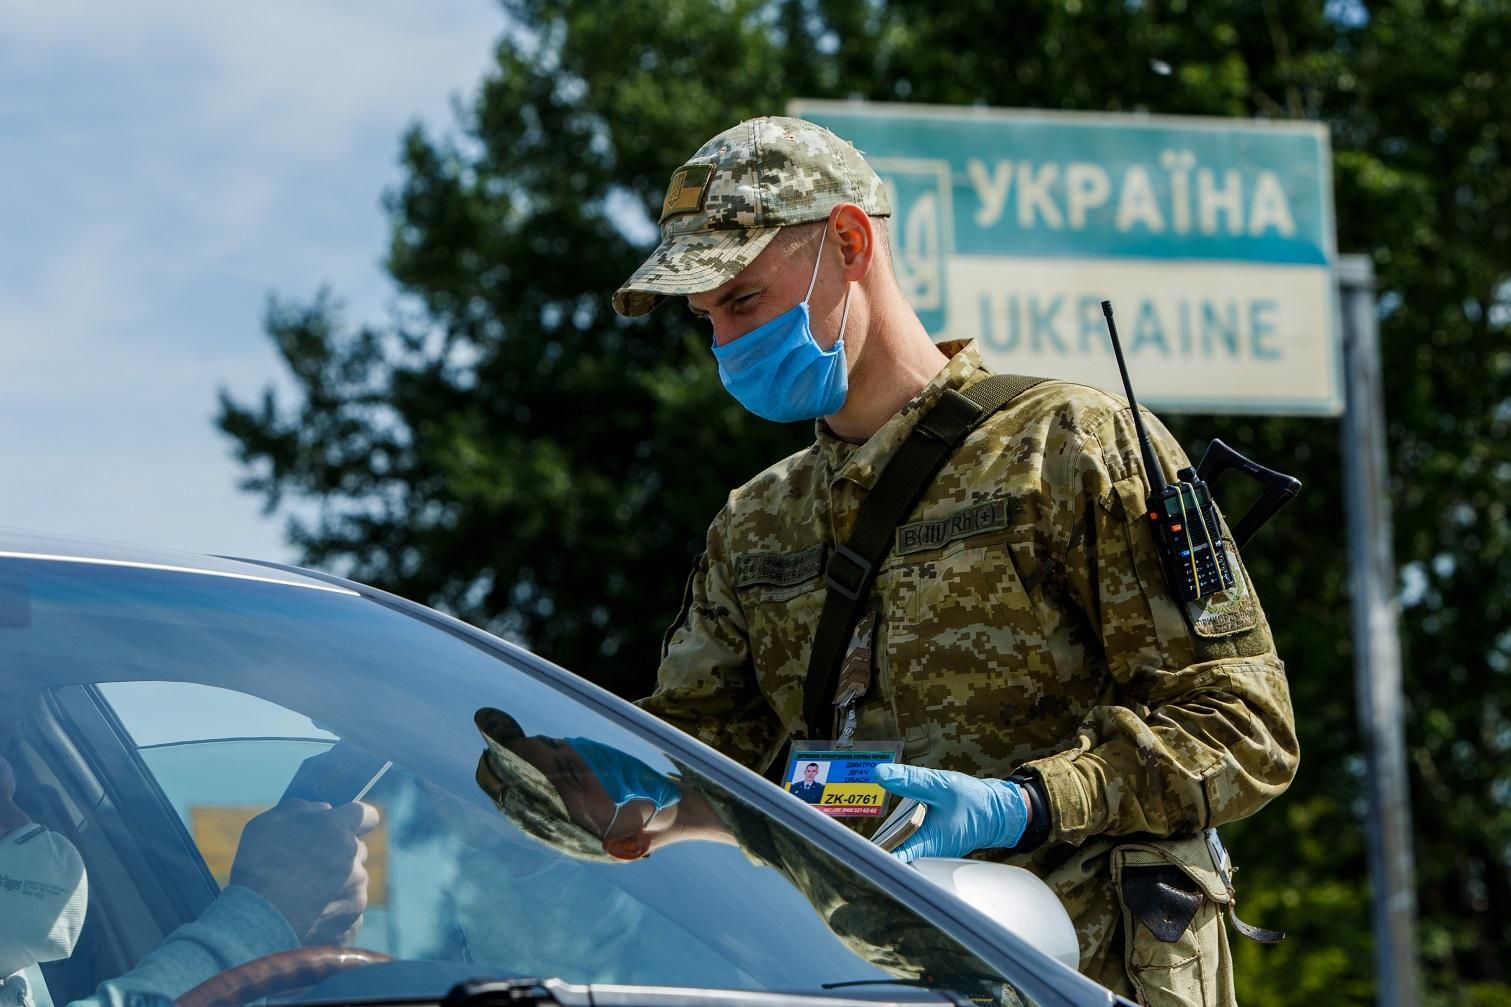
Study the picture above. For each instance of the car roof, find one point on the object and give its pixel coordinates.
(18, 543)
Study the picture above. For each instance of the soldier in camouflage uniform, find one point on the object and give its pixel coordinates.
(1023, 625)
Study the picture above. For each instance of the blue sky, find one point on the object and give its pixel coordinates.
(167, 166)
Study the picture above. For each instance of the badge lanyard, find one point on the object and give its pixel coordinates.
(837, 777)
(855, 677)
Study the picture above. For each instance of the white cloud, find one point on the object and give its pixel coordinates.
(172, 163)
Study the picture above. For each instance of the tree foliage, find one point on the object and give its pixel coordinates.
(506, 448)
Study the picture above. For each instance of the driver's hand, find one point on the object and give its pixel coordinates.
(307, 859)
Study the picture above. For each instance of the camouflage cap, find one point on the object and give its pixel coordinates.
(725, 204)
(523, 793)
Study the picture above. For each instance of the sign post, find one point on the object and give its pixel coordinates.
(1377, 646)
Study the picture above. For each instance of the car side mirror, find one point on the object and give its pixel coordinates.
(1014, 898)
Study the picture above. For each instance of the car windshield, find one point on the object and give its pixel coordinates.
(520, 829)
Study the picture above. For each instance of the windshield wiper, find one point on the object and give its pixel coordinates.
(505, 992)
(926, 983)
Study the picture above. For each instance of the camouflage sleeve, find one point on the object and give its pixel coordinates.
(706, 684)
(1205, 732)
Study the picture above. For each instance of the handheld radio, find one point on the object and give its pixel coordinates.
(1183, 516)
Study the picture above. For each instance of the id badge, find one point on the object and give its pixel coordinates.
(840, 780)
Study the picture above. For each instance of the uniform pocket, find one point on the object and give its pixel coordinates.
(781, 622)
(1176, 946)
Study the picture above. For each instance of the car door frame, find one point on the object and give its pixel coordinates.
(135, 816)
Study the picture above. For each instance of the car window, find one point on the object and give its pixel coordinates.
(222, 758)
(511, 810)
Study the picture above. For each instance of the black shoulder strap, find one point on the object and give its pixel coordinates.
(851, 570)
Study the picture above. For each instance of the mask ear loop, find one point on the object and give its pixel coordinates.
(844, 317)
(816, 263)
(645, 824)
(844, 314)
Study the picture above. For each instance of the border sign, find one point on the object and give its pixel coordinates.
(1213, 238)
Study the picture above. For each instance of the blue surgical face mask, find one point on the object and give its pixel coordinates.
(777, 370)
(625, 777)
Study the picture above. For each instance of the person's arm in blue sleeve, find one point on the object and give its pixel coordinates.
(298, 878)
(238, 926)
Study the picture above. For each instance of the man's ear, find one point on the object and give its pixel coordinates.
(856, 236)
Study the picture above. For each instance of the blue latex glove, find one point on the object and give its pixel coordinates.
(965, 814)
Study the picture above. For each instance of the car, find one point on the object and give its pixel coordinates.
(154, 703)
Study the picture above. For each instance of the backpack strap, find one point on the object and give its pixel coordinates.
(851, 570)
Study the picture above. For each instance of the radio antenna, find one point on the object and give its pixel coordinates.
(1151, 464)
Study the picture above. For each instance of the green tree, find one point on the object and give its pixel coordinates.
(506, 448)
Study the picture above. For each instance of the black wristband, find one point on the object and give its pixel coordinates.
(1038, 823)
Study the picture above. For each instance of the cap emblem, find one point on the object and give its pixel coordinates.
(688, 189)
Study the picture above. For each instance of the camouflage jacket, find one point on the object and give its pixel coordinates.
(1023, 622)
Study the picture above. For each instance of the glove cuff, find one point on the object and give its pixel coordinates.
(1010, 810)
(1038, 828)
